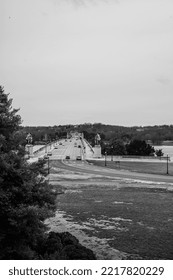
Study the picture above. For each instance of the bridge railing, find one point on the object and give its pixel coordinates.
(91, 148)
(44, 147)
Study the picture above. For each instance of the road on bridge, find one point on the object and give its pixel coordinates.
(67, 152)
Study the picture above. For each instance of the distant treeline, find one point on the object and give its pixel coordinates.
(154, 135)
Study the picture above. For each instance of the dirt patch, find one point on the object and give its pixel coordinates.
(99, 246)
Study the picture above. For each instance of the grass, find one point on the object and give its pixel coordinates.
(142, 167)
(132, 218)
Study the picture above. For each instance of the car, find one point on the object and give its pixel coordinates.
(56, 147)
(78, 158)
(79, 146)
(60, 143)
(40, 159)
(46, 157)
(49, 153)
(67, 157)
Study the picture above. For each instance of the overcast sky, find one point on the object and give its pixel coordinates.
(77, 61)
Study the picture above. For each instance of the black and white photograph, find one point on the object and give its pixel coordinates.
(86, 130)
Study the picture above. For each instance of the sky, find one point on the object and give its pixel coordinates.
(88, 61)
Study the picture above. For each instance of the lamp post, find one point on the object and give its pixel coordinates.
(48, 166)
(81, 152)
(111, 153)
(105, 158)
(84, 152)
(167, 167)
(46, 148)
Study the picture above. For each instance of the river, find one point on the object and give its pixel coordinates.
(167, 150)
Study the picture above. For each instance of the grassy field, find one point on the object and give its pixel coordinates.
(130, 217)
(125, 215)
(142, 167)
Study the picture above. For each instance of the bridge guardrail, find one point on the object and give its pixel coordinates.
(91, 148)
(43, 147)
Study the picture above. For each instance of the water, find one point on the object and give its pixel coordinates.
(167, 150)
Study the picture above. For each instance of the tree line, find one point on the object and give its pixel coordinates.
(134, 148)
(154, 135)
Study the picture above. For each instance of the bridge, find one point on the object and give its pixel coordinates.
(73, 148)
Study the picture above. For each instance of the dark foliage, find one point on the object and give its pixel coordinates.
(159, 153)
(26, 199)
(64, 246)
(115, 147)
(140, 148)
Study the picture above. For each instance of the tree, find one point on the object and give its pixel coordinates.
(140, 148)
(118, 147)
(9, 122)
(159, 153)
(26, 199)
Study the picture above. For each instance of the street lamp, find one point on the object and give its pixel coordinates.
(81, 152)
(48, 164)
(105, 158)
(167, 167)
(111, 153)
(46, 148)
